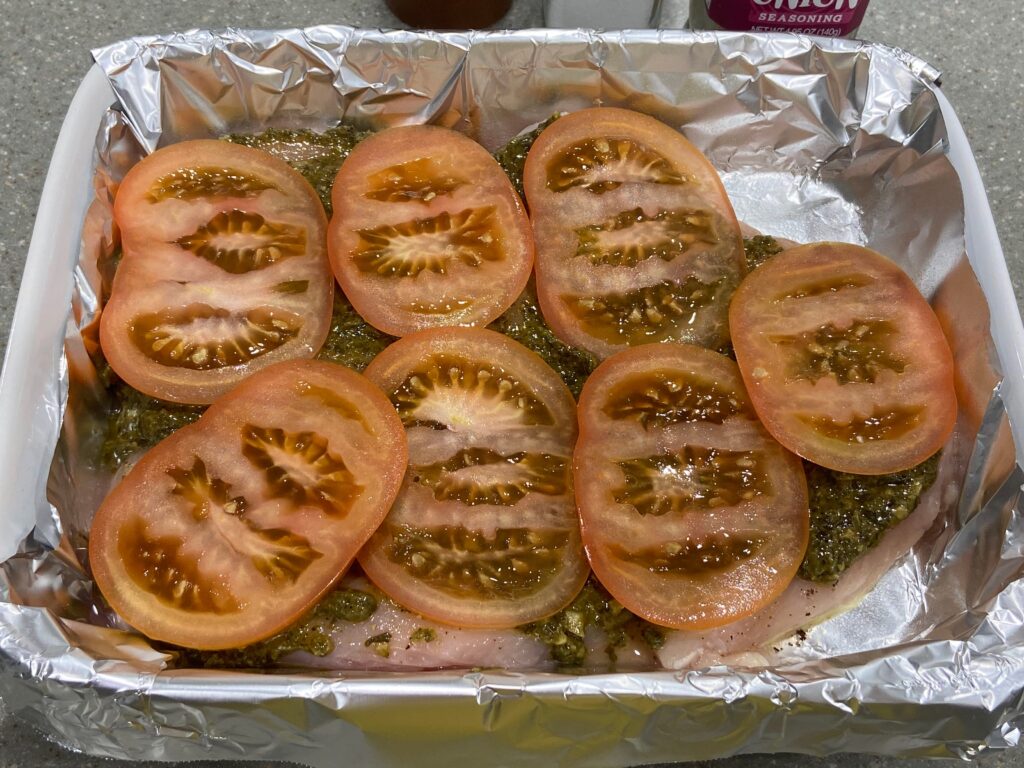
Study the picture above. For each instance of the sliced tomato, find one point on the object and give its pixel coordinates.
(230, 529)
(484, 532)
(224, 271)
(692, 515)
(636, 239)
(845, 362)
(427, 231)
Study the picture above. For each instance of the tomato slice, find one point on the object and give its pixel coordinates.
(230, 529)
(692, 516)
(427, 231)
(636, 239)
(845, 362)
(484, 532)
(224, 271)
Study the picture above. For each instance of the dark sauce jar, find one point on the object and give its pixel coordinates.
(449, 14)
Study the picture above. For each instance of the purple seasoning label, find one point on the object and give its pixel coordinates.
(832, 18)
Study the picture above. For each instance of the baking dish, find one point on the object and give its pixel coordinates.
(848, 130)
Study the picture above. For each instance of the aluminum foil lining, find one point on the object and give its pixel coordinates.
(815, 140)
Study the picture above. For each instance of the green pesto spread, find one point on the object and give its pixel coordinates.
(317, 156)
(512, 157)
(759, 249)
(423, 635)
(380, 644)
(849, 513)
(352, 341)
(137, 422)
(311, 634)
(564, 632)
(524, 323)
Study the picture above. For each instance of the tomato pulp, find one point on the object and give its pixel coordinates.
(636, 239)
(224, 271)
(484, 532)
(234, 526)
(844, 360)
(427, 231)
(692, 515)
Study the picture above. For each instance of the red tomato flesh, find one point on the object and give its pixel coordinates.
(233, 527)
(484, 533)
(224, 271)
(692, 515)
(427, 231)
(844, 360)
(636, 239)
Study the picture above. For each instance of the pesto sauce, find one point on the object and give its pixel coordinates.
(137, 422)
(352, 341)
(380, 644)
(311, 634)
(512, 157)
(423, 635)
(849, 513)
(759, 249)
(351, 605)
(565, 632)
(524, 323)
(317, 156)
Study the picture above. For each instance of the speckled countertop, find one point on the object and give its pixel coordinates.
(976, 44)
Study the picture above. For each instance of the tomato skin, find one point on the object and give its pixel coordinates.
(224, 271)
(410, 185)
(668, 528)
(647, 251)
(234, 526)
(845, 362)
(489, 489)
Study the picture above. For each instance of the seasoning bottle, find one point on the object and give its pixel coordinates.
(829, 18)
(602, 14)
(449, 14)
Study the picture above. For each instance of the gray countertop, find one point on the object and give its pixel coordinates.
(976, 43)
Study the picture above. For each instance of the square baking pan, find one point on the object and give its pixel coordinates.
(815, 140)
